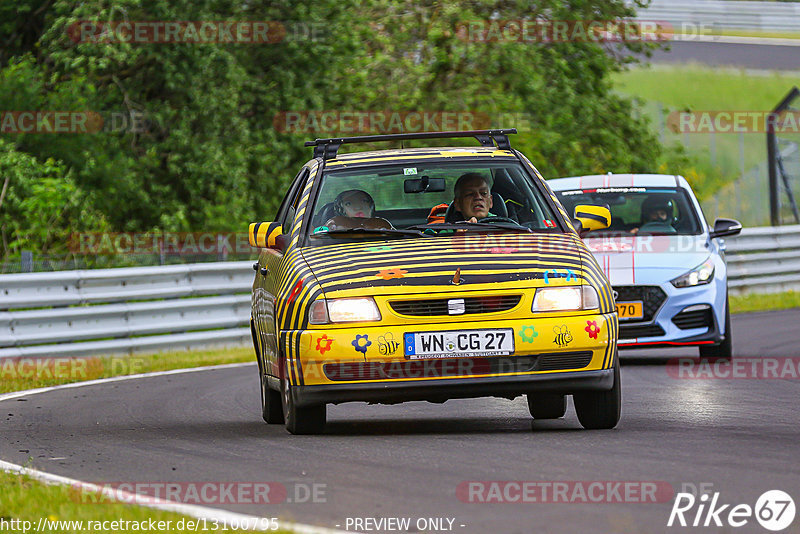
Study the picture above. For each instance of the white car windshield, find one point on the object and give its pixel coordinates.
(639, 210)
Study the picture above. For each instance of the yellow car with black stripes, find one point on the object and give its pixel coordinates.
(430, 274)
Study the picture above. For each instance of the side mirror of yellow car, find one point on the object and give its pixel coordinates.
(589, 218)
(266, 235)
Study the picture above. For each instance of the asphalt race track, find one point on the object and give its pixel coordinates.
(740, 436)
(719, 54)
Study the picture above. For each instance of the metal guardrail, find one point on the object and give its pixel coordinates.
(764, 260)
(107, 311)
(764, 16)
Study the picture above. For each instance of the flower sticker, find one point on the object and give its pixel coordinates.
(388, 274)
(528, 333)
(592, 329)
(361, 343)
(324, 344)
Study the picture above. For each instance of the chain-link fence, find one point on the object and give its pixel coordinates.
(735, 155)
(783, 138)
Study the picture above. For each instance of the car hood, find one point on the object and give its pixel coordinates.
(647, 259)
(429, 264)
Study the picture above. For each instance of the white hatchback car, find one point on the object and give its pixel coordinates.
(665, 263)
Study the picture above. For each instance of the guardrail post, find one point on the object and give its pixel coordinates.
(26, 262)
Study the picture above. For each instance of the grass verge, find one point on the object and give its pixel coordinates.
(732, 32)
(716, 160)
(765, 302)
(26, 500)
(18, 374)
(698, 87)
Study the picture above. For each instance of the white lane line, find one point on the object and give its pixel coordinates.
(192, 510)
(29, 392)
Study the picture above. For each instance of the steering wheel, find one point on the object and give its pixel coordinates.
(658, 227)
(498, 219)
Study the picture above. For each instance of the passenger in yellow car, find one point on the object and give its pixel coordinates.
(355, 208)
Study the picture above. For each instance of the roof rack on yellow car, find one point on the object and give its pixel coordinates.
(328, 148)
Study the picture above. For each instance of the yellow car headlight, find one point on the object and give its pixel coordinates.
(570, 298)
(346, 310)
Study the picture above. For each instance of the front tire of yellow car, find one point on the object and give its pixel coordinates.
(547, 405)
(271, 405)
(600, 409)
(301, 419)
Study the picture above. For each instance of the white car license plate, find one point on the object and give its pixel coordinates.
(459, 344)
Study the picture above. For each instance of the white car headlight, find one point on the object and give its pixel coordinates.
(702, 274)
(548, 299)
(347, 310)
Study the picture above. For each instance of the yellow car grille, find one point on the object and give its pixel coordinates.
(455, 306)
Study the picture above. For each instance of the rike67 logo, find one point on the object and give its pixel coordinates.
(774, 510)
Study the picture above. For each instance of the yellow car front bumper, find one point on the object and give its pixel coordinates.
(563, 354)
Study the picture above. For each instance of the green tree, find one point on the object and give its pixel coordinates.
(210, 157)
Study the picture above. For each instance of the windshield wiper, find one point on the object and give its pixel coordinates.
(380, 231)
(468, 226)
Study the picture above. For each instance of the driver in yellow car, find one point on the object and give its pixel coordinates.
(472, 196)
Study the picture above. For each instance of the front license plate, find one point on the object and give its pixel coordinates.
(630, 310)
(459, 344)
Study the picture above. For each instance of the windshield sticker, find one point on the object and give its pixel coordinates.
(621, 190)
(320, 229)
(609, 190)
(409, 171)
(549, 224)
